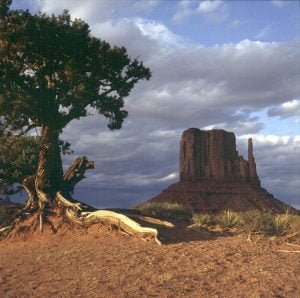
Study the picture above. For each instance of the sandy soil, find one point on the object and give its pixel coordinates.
(104, 263)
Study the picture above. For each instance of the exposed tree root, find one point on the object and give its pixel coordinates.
(5, 231)
(152, 220)
(74, 214)
(42, 207)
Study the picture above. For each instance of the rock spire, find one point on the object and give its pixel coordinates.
(214, 177)
(212, 155)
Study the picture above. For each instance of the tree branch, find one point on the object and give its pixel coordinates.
(76, 172)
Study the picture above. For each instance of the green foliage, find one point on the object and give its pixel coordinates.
(201, 219)
(228, 219)
(52, 71)
(18, 159)
(4, 8)
(165, 210)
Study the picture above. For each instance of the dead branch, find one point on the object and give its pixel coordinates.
(76, 172)
(283, 250)
(291, 244)
(74, 214)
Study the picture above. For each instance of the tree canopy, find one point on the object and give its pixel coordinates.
(18, 159)
(52, 70)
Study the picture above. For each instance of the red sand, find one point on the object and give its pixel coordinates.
(104, 263)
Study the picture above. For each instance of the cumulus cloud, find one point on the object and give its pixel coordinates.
(287, 109)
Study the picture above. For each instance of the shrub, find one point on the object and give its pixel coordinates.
(228, 219)
(201, 219)
(282, 222)
(165, 210)
(266, 222)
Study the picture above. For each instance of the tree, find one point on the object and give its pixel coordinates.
(18, 159)
(53, 71)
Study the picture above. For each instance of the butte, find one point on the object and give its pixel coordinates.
(214, 177)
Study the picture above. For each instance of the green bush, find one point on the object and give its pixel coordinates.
(201, 219)
(228, 219)
(165, 210)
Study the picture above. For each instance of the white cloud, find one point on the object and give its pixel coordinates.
(287, 109)
(210, 6)
(89, 10)
(280, 3)
(184, 11)
(157, 31)
(214, 11)
(273, 139)
(93, 11)
(278, 164)
(171, 177)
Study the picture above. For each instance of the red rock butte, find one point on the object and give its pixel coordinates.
(214, 177)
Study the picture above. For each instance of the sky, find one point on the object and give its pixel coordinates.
(232, 65)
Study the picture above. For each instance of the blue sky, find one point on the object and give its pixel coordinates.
(215, 64)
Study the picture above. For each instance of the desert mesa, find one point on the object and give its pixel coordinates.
(214, 177)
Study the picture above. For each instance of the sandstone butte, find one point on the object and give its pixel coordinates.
(214, 177)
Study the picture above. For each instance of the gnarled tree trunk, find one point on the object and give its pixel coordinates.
(49, 176)
(50, 190)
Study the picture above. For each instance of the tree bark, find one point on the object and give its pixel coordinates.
(29, 185)
(49, 174)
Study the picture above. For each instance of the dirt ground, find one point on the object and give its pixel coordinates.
(104, 263)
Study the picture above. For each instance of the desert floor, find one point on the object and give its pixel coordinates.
(103, 263)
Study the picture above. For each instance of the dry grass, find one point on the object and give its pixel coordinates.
(202, 219)
(166, 211)
(228, 219)
(266, 222)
